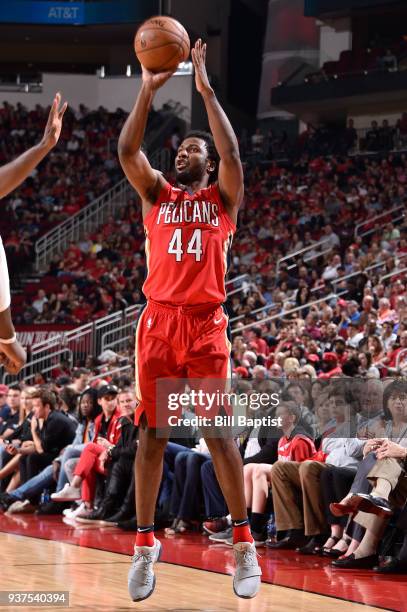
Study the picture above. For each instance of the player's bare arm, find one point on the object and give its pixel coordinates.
(145, 180)
(14, 173)
(230, 168)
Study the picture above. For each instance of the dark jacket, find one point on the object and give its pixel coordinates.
(127, 443)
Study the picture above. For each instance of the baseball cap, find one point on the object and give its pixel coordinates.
(313, 358)
(3, 389)
(107, 390)
(242, 371)
(330, 357)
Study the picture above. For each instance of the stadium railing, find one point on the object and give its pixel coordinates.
(379, 264)
(393, 273)
(398, 217)
(86, 220)
(311, 247)
(281, 314)
(76, 344)
(92, 216)
(113, 332)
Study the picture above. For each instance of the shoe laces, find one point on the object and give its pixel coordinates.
(247, 556)
(145, 566)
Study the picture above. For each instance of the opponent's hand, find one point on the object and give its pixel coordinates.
(198, 55)
(154, 81)
(53, 128)
(13, 357)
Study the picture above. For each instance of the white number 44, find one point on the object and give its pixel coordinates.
(194, 245)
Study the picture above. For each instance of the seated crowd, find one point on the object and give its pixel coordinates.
(329, 480)
(287, 207)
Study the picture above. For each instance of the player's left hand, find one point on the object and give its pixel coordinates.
(53, 128)
(198, 55)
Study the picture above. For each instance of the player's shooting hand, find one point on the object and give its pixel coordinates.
(13, 357)
(154, 81)
(198, 55)
(53, 128)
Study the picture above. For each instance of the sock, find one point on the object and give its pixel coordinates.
(145, 535)
(241, 531)
(382, 488)
(258, 521)
(367, 547)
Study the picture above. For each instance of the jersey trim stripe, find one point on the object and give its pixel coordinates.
(136, 373)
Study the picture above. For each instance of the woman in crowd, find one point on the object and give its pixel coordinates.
(17, 442)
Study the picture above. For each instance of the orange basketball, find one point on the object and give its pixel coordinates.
(161, 43)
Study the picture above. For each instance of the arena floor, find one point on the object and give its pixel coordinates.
(91, 563)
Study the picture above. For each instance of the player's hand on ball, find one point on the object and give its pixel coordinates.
(12, 357)
(155, 80)
(198, 54)
(53, 128)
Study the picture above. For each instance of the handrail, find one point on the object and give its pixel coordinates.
(84, 340)
(287, 312)
(375, 218)
(236, 278)
(340, 279)
(242, 287)
(394, 273)
(73, 228)
(111, 372)
(311, 247)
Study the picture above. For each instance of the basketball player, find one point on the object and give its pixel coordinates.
(12, 354)
(182, 331)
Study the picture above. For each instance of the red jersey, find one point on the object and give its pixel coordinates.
(188, 238)
(297, 448)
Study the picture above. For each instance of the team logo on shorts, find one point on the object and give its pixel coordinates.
(149, 322)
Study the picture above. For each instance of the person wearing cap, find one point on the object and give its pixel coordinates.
(330, 367)
(340, 350)
(96, 454)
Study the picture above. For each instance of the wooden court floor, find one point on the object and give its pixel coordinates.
(97, 581)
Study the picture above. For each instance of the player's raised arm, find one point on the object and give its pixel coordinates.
(230, 167)
(14, 173)
(145, 180)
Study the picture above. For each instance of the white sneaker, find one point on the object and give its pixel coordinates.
(23, 507)
(68, 511)
(84, 513)
(68, 493)
(141, 578)
(246, 582)
(71, 514)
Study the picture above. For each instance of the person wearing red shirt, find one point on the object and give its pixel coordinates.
(330, 367)
(294, 445)
(95, 454)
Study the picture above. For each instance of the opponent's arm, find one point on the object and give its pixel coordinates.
(145, 180)
(230, 167)
(14, 173)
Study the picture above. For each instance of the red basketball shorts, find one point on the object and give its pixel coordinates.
(179, 342)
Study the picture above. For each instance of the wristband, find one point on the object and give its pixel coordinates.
(9, 341)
